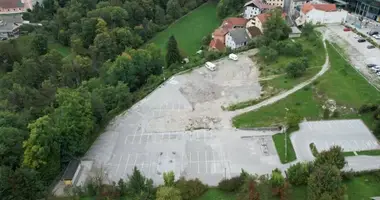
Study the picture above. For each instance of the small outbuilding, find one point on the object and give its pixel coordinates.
(295, 32)
(71, 172)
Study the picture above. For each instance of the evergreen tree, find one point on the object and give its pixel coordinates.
(172, 55)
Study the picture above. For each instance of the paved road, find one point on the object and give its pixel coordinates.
(282, 95)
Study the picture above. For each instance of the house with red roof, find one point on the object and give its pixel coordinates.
(218, 36)
(15, 6)
(321, 14)
(260, 20)
(255, 7)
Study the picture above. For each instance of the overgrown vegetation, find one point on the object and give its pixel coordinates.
(340, 83)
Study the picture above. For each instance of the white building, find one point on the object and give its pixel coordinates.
(321, 14)
(255, 7)
(237, 38)
(277, 3)
(260, 20)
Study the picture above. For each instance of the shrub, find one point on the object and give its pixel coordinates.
(334, 156)
(299, 173)
(190, 189)
(296, 68)
(231, 185)
(313, 149)
(365, 108)
(326, 113)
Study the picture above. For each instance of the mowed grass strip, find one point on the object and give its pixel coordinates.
(340, 83)
(279, 142)
(190, 29)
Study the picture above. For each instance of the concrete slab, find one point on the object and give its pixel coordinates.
(181, 127)
(351, 135)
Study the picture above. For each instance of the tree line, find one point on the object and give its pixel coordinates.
(322, 178)
(52, 107)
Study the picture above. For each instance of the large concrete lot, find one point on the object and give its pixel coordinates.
(181, 127)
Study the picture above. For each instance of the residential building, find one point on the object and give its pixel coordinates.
(237, 38)
(321, 14)
(218, 36)
(278, 3)
(10, 26)
(259, 21)
(15, 6)
(296, 5)
(365, 8)
(255, 7)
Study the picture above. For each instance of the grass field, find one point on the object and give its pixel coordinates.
(341, 83)
(64, 51)
(279, 142)
(190, 29)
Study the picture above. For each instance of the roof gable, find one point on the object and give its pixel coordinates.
(327, 7)
(259, 4)
(239, 35)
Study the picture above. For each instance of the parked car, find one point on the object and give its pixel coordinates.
(370, 46)
(372, 33)
(347, 29)
(376, 36)
(378, 73)
(371, 65)
(211, 66)
(233, 57)
(361, 40)
(375, 69)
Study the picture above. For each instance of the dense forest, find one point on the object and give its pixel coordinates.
(53, 107)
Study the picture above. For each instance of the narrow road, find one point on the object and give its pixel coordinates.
(282, 95)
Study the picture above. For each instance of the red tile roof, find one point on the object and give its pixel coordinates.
(220, 32)
(11, 4)
(327, 7)
(229, 23)
(217, 44)
(264, 16)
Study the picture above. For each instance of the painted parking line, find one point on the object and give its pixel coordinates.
(198, 161)
(126, 165)
(206, 161)
(118, 165)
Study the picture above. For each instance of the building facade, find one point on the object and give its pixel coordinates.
(278, 3)
(255, 7)
(321, 14)
(237, 38)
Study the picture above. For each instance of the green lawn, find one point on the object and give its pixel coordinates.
(363, 187)
(279, 142)
(216, 194)
(341, 83)
(24, 45)
(64, 51)
(190, 29)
